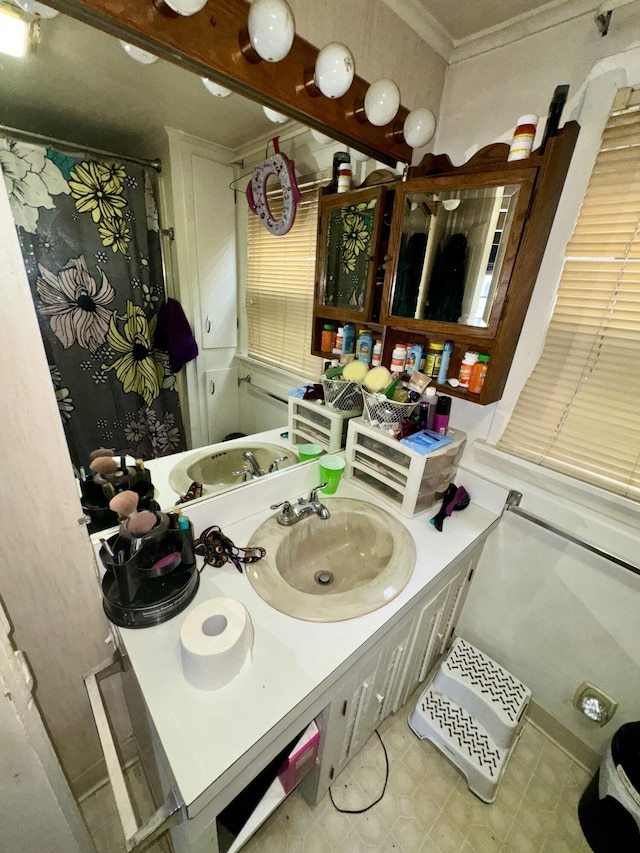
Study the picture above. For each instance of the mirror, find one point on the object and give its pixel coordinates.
(454, 253)
(61, 90)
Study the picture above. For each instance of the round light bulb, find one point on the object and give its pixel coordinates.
(419, 127)
(358, 156)
(138, 53)
(186, 7)
(274, 116)
(272, 29)
(322, 138)
(335, 69)
(215, 88)
(382, 102)
(451, 203)
(35, 8)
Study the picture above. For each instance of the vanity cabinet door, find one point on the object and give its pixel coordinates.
(426, 641)
(346, 729)
(456, 597)
(434, 625)
(390, 677)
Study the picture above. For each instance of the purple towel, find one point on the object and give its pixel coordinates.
(174, 335)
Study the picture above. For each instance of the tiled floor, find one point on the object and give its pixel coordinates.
(426, 808)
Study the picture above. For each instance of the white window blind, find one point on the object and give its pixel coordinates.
(280, 286)
(579, 412)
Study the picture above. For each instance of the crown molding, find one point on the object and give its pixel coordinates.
(413, 13)
(522, 26)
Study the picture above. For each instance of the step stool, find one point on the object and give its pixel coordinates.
(472, 710)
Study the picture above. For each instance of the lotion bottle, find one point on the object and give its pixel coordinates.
(444, 362)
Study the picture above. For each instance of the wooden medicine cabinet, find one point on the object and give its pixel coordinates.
(451, 253)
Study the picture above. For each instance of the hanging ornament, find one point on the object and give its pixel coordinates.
(278, 166)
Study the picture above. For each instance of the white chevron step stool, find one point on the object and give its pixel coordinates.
(472, 710)
(483, 688)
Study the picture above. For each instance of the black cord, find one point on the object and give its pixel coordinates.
(384, 787)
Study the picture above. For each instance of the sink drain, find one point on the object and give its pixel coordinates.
(323, 578)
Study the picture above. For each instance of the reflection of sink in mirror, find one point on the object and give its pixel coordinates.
(325, 570)
(219, 467)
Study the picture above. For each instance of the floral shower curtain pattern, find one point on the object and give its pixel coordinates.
(90, 240)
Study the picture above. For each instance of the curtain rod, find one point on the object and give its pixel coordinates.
(70, 146)
(512, 505)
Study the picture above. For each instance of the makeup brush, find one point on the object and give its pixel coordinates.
(139, 524)
(108, 549)
(101, 451)
(124, 504)
(106, 466)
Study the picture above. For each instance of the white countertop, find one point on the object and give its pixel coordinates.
(204, 733)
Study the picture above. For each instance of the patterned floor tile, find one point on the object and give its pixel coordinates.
(427, 807)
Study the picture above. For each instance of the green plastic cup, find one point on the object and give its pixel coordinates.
(309, 451)
(331, 468)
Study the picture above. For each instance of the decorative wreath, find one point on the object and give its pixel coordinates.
(281, 167)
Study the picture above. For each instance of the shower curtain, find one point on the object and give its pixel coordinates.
(89, 234)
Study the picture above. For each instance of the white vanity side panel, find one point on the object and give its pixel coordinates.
(47, 571)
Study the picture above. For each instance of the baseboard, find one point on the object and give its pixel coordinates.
(563, 738)
(96, 776)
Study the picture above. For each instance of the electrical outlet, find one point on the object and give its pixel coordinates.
(594, 703)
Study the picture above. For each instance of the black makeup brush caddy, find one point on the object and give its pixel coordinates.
(97, 491)
(149, 578)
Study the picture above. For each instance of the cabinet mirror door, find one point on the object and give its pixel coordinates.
(453, 246)
(349, 236)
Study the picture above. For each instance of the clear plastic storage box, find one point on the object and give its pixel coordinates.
(316, 423)
(409, 481)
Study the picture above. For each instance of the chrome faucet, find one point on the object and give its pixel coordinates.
(245, 473)
(292, 513)
(274, 465)
(256, 470)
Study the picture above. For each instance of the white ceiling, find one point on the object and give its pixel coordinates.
(462, 20)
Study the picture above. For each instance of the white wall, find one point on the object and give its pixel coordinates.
(549, 611)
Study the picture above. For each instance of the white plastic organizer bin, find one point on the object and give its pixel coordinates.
(312, 422)
(408, 481)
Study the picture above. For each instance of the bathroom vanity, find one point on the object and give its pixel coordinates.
(202, 748)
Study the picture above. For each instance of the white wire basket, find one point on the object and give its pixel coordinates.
(341, 395)
(382, 413)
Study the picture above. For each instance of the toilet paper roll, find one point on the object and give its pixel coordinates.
(215, 638)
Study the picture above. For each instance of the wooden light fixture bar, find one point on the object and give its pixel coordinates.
(214, 43)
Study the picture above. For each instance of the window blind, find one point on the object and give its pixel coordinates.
(280, 288)
(579, 412)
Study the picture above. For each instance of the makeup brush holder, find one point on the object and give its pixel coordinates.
(95, 501)
(149, 562)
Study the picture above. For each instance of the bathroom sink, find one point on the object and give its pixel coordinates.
(356, 561)
(216, 467)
